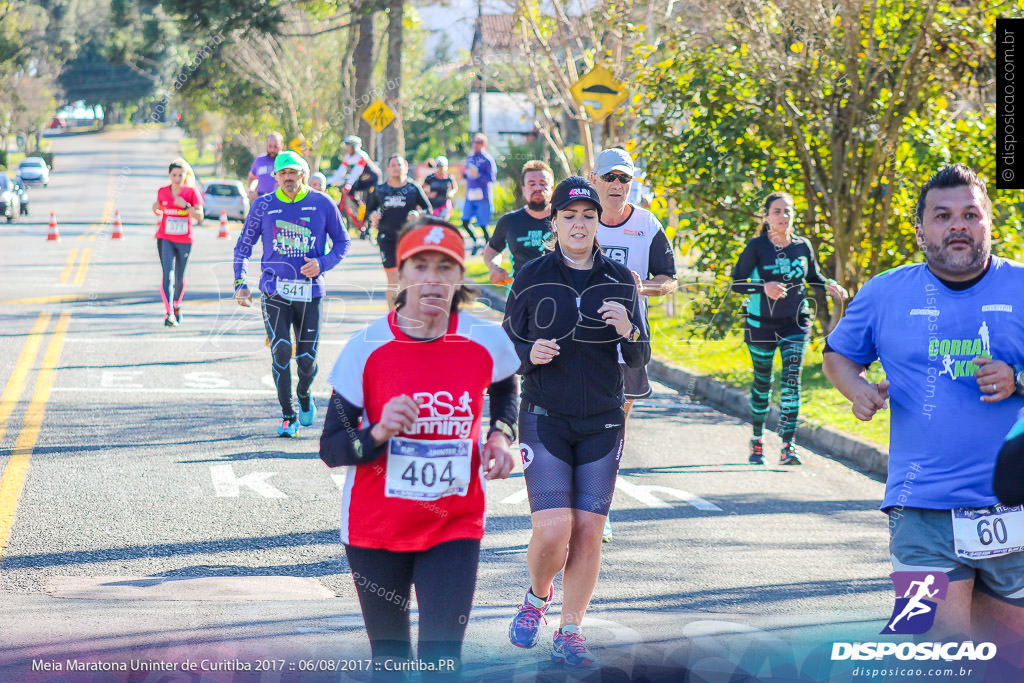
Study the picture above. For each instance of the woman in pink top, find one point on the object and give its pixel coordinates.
(178, 205)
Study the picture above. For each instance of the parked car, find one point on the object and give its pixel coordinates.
(22, 193)
(10, 203)
(226, 195)
(34, 170)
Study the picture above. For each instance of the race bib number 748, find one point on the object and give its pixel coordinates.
(428, 470)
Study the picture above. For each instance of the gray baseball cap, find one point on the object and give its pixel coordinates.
(614, 159)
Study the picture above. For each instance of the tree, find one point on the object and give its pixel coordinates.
(393, 137)
(849, 104)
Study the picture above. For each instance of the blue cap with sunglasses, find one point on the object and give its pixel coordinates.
(614, 159)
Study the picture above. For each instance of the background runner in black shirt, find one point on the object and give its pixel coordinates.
(390, 205)
(523, 231)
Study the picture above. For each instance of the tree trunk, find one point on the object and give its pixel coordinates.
(393, 138)
(365, 58)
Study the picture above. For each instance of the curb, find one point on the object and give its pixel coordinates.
(823, 440)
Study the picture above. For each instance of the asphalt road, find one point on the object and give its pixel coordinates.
(148, 509)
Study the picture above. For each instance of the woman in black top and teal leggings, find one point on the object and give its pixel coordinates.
(772, 271)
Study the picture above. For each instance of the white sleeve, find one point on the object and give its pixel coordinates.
(347, 376)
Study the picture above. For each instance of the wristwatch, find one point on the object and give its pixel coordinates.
(505, 429)
(1018, 379)
(634, 334)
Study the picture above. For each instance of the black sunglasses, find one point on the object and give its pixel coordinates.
(612, 177)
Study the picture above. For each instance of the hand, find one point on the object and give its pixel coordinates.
(543, 351)
(497, 457)
(995, 379)
(615, 315)
(870, 398)
(398, 415)
(312, 267)
(252, 196)
(638, 281)
(498, 275)
(180, 202)
(472, 172)
(347, 188)
(375, 217)
(774, 290)
(837, 291)
(243, 297)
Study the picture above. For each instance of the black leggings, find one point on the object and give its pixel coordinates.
(281, 316)
(445, 580)
(173, 258)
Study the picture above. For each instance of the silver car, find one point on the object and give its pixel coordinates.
(33, 171)
(225, 195)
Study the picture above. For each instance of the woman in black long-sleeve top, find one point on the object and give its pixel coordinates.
(568, 313)
(772, 271)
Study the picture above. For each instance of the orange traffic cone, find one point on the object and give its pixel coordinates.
(53, 234)
(223, 234)
(116, 233)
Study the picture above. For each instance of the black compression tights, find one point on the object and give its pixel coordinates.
(281, 317)
(445, 579)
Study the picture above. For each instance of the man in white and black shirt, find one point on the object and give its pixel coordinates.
(632, 236)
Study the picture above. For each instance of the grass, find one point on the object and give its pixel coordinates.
(192, 156)
(728, 361)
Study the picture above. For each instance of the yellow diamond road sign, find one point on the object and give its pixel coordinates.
(599, 93)
(378, 115)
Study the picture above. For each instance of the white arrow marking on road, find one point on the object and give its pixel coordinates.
(516, 498)
(644, 493)
(227, 485)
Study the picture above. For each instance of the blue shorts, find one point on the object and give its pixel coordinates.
(478, 208)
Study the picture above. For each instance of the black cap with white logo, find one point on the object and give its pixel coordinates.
(573, 189)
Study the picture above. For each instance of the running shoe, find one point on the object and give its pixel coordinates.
(289, 427)
(606, 535)
(307, 410)
(169, 321)
(756, 452)
(569, 649)
(177, 315)
(524, 628)
(789, 456)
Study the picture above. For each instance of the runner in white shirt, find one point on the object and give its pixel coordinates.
(632, 236)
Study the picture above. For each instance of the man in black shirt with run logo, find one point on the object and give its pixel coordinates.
(389, 206)
(523, 231)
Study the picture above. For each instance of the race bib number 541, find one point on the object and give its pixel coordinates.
(428, 470)
(988, 532)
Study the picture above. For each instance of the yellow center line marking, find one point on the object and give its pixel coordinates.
(13, 480)
(83, 265)
(16, 382)
(66, 273)
(60, 299)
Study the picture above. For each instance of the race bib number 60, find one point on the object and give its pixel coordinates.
(988, 532)
(428, 470)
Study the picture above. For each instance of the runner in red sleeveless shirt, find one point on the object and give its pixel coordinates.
(406, 416)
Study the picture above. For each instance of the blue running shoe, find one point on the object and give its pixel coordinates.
(307, 417)
(569, 649)
(606, 535)
(523, 630)
(289, 428)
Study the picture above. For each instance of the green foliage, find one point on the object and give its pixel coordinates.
(236, 158)
(850, 112)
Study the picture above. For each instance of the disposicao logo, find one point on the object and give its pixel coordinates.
(916, 595)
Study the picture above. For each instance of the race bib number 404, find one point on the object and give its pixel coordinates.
(428, 470)
(988, 532)
(295, 290)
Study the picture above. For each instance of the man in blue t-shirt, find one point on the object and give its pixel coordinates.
(948, 334)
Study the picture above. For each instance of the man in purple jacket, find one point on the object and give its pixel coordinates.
(479, 174)
(293, 224)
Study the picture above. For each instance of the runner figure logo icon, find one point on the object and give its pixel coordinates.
(914, 612)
